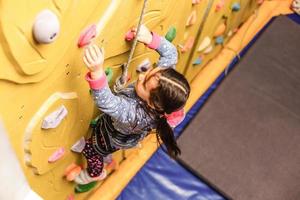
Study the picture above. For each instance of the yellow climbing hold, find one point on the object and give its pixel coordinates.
(204, 44)
(192, 19)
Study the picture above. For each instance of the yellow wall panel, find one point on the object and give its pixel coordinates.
(36, 79)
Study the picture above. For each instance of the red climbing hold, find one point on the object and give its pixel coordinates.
(129, 35)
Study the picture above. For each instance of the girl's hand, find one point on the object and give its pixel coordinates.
(144, 35)
(93, 59)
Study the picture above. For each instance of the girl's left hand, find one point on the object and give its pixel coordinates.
(93, 59)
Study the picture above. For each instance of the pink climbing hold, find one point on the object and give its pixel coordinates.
(87, 35)
(71, 197)
(195, 2)
(129, 36)
(259, 2)
(58, 154)
(220, 5)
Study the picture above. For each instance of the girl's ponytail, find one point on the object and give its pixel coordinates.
(165, 133)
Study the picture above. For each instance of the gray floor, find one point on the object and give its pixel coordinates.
(246, 138)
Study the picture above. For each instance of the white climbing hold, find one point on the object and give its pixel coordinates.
(144, 66)
(229, 33)
(55, 118)
(46, 27)
(204, 44)
(208, 49)
(79, 145)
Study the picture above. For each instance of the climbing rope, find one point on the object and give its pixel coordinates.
(121, 81)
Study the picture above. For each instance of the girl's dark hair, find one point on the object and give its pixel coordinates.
(170, 95)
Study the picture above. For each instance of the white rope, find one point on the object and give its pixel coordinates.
(121, 81)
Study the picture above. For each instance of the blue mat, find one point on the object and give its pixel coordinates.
(164, 178)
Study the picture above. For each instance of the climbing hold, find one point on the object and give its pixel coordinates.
(220, 40)
(235, 30)
(195, 2)
(144, 66)
(79, 145)
(129, 35)
(205, 43)
(220, 30)
(208, 49)
(46, 27)
(229, 33)
(87, 35)
(54, 118)
(188, 44)
(128, 77)
(85, 188)
(58, 154)
(72, 171)
(171, 34)
(192, 19)
(198, 61)
(108, 159)
(259, 2)
(71, 197)
(112, 166)
(235, 7)
(93, 122)
(109, 74)
(220, 5)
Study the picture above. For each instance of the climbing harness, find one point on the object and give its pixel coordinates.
(121, 81)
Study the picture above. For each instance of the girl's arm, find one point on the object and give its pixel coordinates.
(115, 106)
(167, 51)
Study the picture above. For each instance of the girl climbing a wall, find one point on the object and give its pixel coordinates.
(134, 112)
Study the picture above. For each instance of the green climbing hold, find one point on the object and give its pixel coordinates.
(93, 123)
(109, 74)
(171, 34)
(236, 7)
(85, 188)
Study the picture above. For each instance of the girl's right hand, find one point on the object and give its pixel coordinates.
(144, 36)
(93, 59)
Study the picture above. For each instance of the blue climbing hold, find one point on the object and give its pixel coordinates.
(220, 40)
(198, 61)
(236, 6)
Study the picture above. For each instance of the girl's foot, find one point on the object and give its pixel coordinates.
(84, 178)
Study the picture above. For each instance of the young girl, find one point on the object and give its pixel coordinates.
(130, 115)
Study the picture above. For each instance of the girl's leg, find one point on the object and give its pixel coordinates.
(94, 170)
(94, 160)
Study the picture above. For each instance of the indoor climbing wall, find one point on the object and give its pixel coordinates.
(45, 103)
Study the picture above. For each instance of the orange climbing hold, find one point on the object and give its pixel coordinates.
(72, 171)
(188, 44)
(220, 30)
